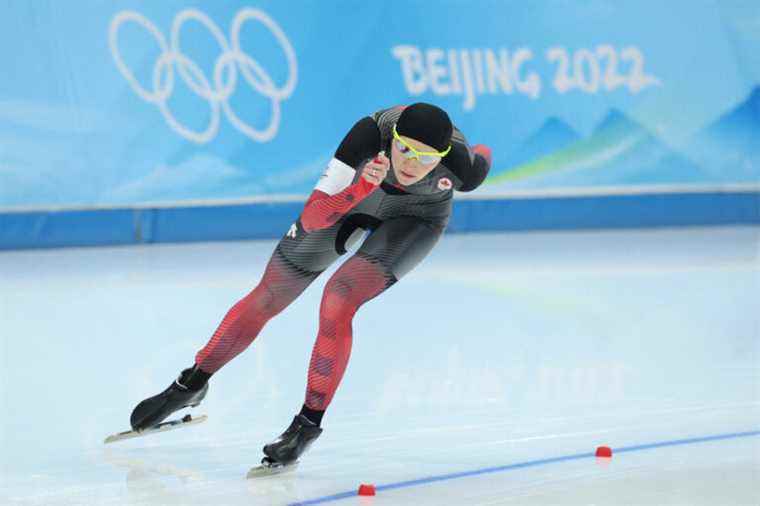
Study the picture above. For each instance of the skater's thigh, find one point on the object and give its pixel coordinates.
(401, 243)
(310, 251)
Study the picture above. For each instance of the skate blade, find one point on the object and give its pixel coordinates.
(263, 470)
(161, 427)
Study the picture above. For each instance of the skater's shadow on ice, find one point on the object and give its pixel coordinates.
(153, 482)
(139, 467)
(150, 480)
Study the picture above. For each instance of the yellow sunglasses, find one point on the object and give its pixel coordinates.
(424, 157)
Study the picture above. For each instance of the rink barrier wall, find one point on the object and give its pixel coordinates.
(51, 228)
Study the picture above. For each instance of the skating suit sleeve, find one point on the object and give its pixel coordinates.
(468, 164)
(336, 192)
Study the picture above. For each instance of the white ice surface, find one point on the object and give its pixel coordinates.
(499, 349)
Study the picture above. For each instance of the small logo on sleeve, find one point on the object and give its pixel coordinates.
(444, 183)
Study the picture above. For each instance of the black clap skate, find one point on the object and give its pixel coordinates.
(283, 452)
(154, 410)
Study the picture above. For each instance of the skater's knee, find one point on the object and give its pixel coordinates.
(262, 301)
(337, 299)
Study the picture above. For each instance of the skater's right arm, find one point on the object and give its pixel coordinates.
(335, 195)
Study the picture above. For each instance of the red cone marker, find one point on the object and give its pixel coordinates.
(366, 489)
(604, 451)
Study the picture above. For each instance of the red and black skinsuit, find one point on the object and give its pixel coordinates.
(405, 222)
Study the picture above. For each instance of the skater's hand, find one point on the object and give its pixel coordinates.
(375, 170)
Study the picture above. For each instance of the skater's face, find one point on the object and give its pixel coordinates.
(408, 168)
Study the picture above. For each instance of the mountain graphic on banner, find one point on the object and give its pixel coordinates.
(729, 147)
(618, 151)
(553, 136)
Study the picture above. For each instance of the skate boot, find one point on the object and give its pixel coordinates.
(285, 450)
(154, 410)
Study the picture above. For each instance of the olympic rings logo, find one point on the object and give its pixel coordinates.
(215, 91)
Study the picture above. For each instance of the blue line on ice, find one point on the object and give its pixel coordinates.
(530, 463)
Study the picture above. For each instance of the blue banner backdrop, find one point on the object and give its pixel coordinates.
(135, 103)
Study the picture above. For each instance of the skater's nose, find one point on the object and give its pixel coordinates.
(411, 166)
